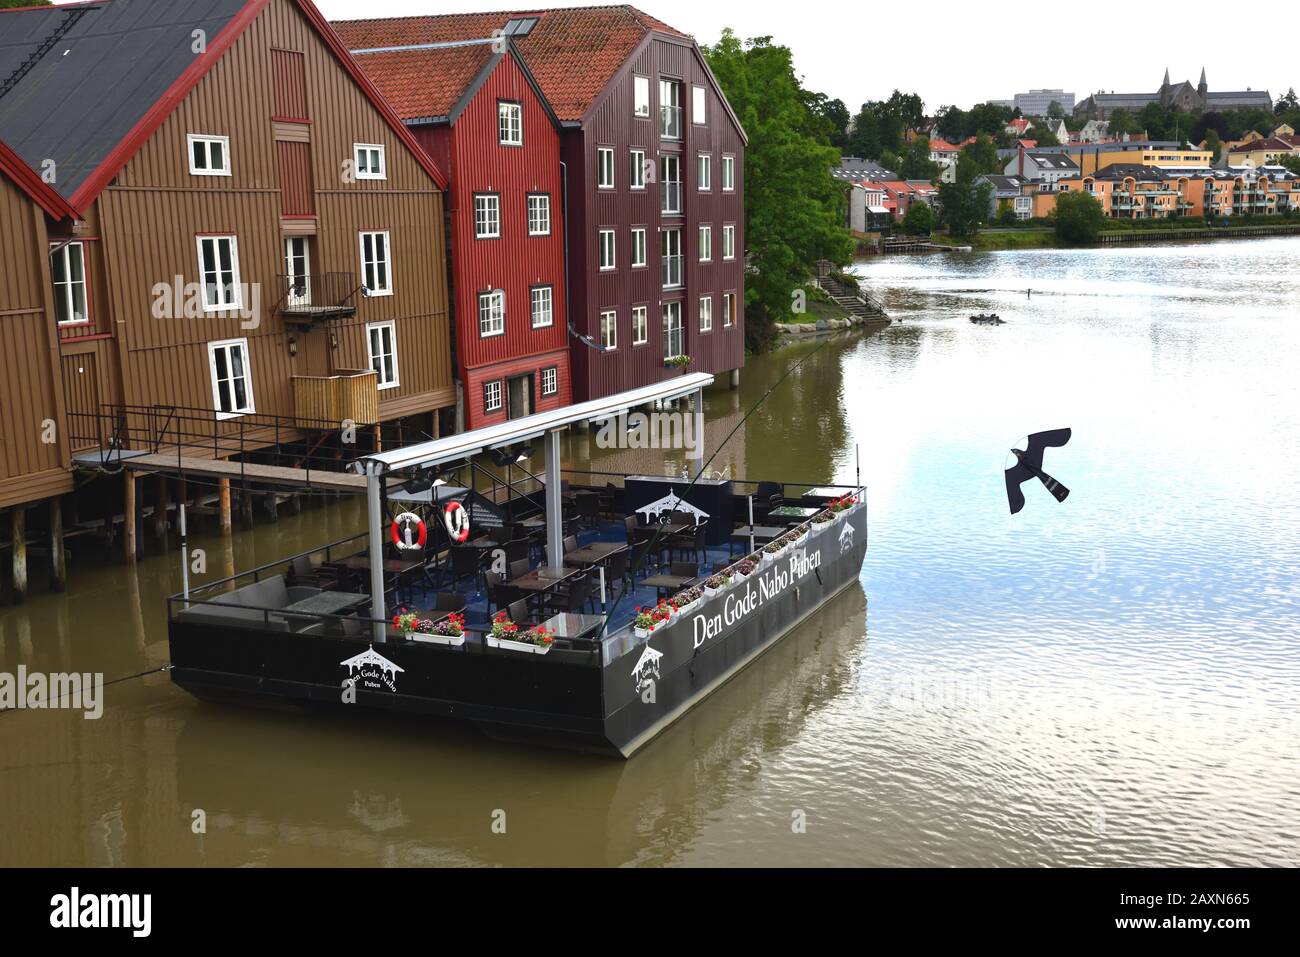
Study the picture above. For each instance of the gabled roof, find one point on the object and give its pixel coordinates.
(572, 52)
(1052, 161)
(85, 85)
(1119, 171)
(943, 146)
(1270, 144)
(26, 179)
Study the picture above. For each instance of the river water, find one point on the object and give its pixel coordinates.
(1111, 680)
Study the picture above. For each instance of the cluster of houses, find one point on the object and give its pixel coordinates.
(445, 220)
(1132, 179)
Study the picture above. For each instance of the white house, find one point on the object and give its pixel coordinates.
(1041, 166)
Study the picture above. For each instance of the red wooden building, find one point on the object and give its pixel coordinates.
(653, 161)
(480, 115)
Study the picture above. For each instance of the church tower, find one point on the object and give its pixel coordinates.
(1202, 87)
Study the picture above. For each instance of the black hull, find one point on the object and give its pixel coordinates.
(566, 699)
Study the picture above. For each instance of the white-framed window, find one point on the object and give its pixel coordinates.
(381, 345)
(672, 330)
(492, 396)
(706, 244)
(609, 329)
(638, 247)
(209, 155)
(219, 273)
(728, 173)
(491, 313)
(670, 109)
(510, 123)
(376, 264)
(704, 172)
(640, 325)
(369, 160)
(728, 242)
(636, 168)
(706, 313)
(543, 306)
(728, 309)
(539, 214)
(670, 184)
(232, 382)
(607, 258)
(487, 216)
(640, 96)
(550, 380)
(698, 100)
(670, 255)
(68, 269)
(605, 167)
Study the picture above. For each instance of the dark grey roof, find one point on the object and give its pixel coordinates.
(855, 168)
(1051, 160)
(75, 80)
(1004, 184)
(1148, 174)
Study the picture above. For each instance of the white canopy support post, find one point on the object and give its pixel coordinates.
(374, 478)
(554, 506)
(697, 429)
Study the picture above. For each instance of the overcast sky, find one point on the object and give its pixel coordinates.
(952, 52)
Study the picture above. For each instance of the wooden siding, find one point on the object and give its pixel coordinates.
(476, 163)
(154, 210)
(612, 124)
(503, 371)
(31, 467)
(296, 197)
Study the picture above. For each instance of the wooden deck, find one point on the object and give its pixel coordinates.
(220, 468)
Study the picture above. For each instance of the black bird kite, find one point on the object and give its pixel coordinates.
(1029, 464)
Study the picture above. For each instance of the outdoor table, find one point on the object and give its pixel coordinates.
(568, 625)
(393, 566)
(794, 512)
(543, 579)
(595, 553)
(328, 603)
(665, 583)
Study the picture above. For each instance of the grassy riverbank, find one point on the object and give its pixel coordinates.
(1136, 232)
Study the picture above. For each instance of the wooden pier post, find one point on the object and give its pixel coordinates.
(161, 506)
(130, 520)
(223, 505)
(18, 537)
(735, 378)
(246, 510)
(58, 556)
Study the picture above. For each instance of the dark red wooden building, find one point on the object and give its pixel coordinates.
(653, 161)
(480, 116)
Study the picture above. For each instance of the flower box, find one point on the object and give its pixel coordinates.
(642, 632)
(524, 646)
(453, 641)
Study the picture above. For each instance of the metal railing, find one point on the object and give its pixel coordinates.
(318, 296)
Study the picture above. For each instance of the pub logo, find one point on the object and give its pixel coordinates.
(672, 502)
(846, 538)
(371, 670)
(646, 672)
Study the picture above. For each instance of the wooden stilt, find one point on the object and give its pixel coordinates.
(130, 520)
(272, 507)
(58, 557)
(246, 510)
(223, 493)
(295, 504)
(162, 504)
(18, 536)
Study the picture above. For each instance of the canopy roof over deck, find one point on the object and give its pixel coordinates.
(457, 448)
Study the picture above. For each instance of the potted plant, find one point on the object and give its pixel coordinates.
(644, 622)
(505, 634)
(677, 362)
(802, 533)
(718, 583)
(449, 631)
(539, 639)
(686, 601)
(774, 550)
(746, 567)
(841, 506)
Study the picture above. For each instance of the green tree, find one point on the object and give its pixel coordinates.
(1006, 214)
(890, 161)
(1055, 110)
(864, 141)
(963, 205)
(1079, 218)
(951, 123)
(1286, 103)
(1154, 118)
(919, 219)
(837, 115)
(916, 162)
(794, 208)
(9, 4)
(1214, 144)
(979, 157)
(1291, 162)
(1121, 121)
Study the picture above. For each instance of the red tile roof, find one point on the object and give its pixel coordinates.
(426, 83)
(1019, 125)
(572, 52)
(943, 146)
(1270, 144)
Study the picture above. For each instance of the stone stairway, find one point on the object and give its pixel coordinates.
(855, 303)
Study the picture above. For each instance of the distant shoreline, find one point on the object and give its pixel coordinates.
(1045, 238)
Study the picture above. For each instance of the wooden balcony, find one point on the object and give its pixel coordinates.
(350, 395)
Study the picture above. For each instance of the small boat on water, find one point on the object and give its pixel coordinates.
(543, 619)
(991, 319)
